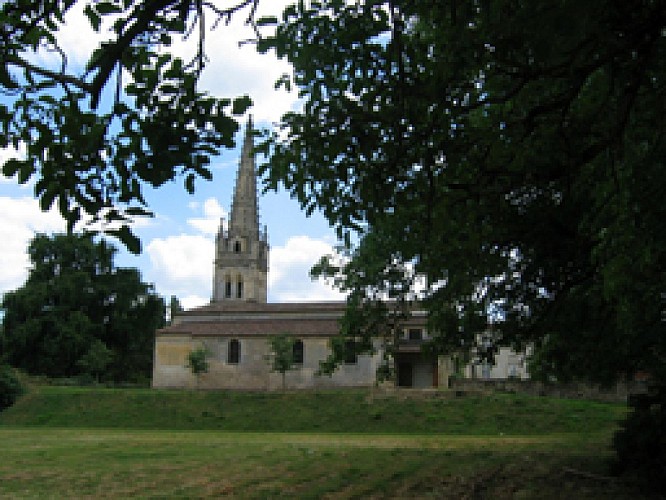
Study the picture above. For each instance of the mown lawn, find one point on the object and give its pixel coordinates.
(78, 443)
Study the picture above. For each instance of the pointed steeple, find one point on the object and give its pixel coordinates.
(244, 216)
(241, 252)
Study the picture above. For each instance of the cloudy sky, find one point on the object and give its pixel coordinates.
(178, 242)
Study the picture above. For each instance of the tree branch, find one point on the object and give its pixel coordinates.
(60, 77)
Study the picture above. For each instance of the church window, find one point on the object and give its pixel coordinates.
(298, 352)
(239, 289)
(415, 334)
(227, 289)
(233, 356)
(237, 247)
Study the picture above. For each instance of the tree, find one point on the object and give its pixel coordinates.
(281, 355)
(509, 153)
(507, 160)
(96, 360)
(174, 309)
(74, 306)
(10, 386)
(197, 362)
(93, 137)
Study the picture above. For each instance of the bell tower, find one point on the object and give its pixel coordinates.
(241, 250)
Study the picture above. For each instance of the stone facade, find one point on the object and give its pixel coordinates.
(236, 334)
(245, 365)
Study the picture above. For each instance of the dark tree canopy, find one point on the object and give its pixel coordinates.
(511, 153)
(93, 140)
(79, 314)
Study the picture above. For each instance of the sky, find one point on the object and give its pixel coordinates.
(178, 242)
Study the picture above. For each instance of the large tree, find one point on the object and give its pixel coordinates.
(509, 152)
(77, 313)
(92, 137)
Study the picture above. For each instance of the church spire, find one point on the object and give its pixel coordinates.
(244, 207)
(241, 252)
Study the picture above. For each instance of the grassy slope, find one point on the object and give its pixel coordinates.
(334, 411)
(67, 442)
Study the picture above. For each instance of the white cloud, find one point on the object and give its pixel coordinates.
(289, 279)
(210, 222)
(182, 265)
(234, 70)
(22, 219)
(192, 301)
(77, 38)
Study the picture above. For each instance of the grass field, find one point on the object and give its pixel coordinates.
(77, 443)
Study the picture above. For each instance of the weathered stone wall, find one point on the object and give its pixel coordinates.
(575, 390)
(253, 371)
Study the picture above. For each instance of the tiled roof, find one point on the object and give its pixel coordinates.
(259, 319)
(259, 307)
(258, 327)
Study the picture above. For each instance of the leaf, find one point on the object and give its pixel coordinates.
(26, 170)
(93, 17)
(189, 183)
(10, 167)
(105, 8)
(283, 81)
(241, 104)
(127, 238)
(139, 212)
(48, 197)
(266, 21)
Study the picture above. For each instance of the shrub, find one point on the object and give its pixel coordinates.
(641, 442)
(10, 387)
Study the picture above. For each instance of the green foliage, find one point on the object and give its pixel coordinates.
(507, 155)
(10, 386)
(92, 153)
(77, 313)
(197, 361)
(281, 355)
(96, 360)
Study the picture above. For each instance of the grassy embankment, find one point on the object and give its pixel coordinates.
(70, 442)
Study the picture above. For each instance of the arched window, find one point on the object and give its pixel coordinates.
(239, 289)
(237, 247)
(227, 288)
(298, 352)
(233, 356)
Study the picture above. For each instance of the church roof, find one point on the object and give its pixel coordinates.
(251, 307)
(256, 318)
(241, 319)
(257, 327)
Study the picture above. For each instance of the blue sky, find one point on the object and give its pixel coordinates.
(178, 242)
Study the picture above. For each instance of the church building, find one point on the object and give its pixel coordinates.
(237, 325)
